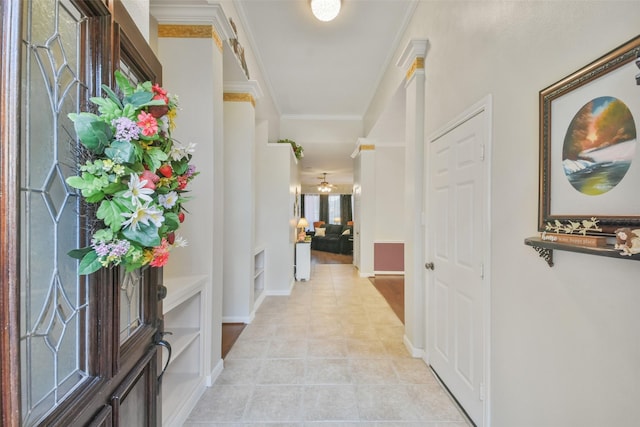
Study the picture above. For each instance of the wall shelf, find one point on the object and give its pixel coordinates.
(545, 249)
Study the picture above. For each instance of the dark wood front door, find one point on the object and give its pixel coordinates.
(75, 350)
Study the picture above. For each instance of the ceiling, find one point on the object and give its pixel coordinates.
(324, 71)
(321, 76)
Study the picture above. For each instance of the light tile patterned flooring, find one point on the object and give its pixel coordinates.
(331, 354)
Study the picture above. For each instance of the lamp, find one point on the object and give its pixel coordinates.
(325, 10)
(302, 224)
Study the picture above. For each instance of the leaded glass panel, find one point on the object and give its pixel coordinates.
(130, 283)
(53, 297)
(130, 303)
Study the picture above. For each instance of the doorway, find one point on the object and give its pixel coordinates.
(457, 246)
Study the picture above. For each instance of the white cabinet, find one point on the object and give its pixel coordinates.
(303, 260)
(183, 381)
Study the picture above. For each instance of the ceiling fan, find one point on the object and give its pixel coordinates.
(324, 186)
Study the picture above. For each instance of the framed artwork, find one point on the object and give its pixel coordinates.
(589, 155)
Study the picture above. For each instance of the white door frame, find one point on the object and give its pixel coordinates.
(484, 105)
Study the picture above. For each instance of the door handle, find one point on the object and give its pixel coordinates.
(163, 343)
(162, 292)
(429, 266)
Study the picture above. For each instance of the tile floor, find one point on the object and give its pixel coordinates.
(331, 354)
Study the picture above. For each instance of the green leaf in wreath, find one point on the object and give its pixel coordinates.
(76, 182)
(171, 221)
(146, 235)
(90, 263)
(152, 103)
(111, 214)
(154, 157)
(123, 83)
(112, 95)
(92, 132)
(179, 167)
(95, 197)
(138, 99)
(120, 152)
(108, 108)
(114, 187)
(79, 253)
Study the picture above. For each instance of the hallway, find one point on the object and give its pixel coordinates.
(331, 354)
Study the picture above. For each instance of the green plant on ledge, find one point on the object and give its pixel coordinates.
(297, 149)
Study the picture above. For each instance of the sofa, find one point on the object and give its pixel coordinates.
(334, 239)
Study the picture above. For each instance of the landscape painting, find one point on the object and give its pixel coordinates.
(599, 146)
(589, 154)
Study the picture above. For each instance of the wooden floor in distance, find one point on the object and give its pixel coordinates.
(390, 286)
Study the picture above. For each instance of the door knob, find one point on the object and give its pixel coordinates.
(429, 266)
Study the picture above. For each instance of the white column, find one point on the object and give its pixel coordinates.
(365, 220)
(196, 34)
(412, 60)
(239, 202)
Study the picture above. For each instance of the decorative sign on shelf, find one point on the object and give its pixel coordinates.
(572, 239)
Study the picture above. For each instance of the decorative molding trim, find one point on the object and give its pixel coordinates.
(415, 49)
(239, 97)
(203, 13)
(251, 87)
(418, 64)
(326, 117)
(185, 31)
(412, 59)
(216, 38)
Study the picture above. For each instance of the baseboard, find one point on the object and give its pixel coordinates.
(285, 293)
(179, 417)
(417, 353)
(390, 273)
(259, 301)
(238, 319)
(215, 373)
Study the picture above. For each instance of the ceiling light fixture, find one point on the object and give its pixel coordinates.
(324, 186)
(325, 10)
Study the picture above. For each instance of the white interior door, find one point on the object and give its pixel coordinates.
(456, 197)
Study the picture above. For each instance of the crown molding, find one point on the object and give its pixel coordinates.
(353, 118)
(415, 49)
(250, 87)
(193, 12)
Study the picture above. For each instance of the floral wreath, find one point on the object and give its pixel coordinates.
(136, 173)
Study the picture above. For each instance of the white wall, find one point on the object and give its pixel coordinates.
(564, 343)
(365, 210)
(389, 197)
(139, 11)
(276, 183)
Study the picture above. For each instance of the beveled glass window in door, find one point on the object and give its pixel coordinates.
(130, 303)
(53, 298)
(130, 283)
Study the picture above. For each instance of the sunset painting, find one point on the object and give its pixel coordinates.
(599, 146)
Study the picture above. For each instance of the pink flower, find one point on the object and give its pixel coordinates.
(160, 254)
(147, 123)
(151, 179)
(160, 93)
(182, 182)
